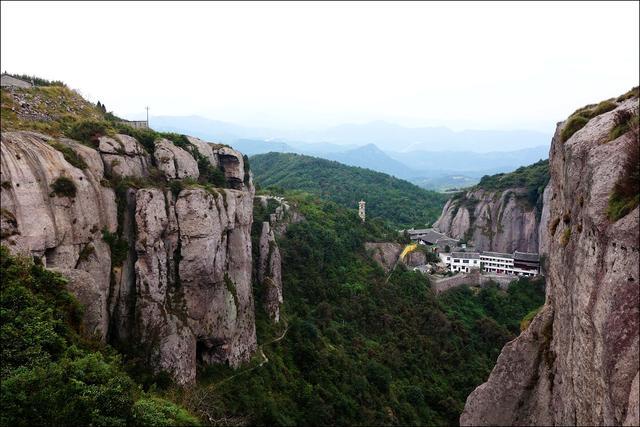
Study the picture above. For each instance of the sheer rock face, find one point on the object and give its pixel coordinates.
(183, 292)
(270, 272)
(493, 221)
(123, 155)
(577, 363)
(386, 254)
(175, 162)
(65, 232)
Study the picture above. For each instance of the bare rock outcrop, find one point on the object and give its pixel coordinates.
(63, 229)
(180, 285)
(501, 221)
(123, 155)
(232, 164)
(270, 272)
(386, 254)
(175, 162)
(577, 363)
(205, 149)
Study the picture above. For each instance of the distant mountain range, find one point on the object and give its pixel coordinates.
(432, 157)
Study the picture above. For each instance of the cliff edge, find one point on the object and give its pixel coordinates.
(577, 363)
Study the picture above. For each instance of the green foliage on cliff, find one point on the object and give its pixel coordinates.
(360, 350)
(398, 202)
(532, 177)
(64, 187)
(625, 196)
(52, 376)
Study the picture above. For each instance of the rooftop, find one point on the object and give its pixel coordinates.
(497, 255)
(466, 255)
(429, 235)
(526, 256)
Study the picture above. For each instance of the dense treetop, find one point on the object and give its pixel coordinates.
(398, 202)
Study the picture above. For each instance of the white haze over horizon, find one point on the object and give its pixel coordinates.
(307, 66)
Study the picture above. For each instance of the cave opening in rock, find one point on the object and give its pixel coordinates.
(210, 350)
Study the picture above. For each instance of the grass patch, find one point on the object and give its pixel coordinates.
(64, 187)
(88, 131)
(70, 155)
(623, 122)
(633, 93)
(603, 107)
(573, 125)
(526, 320)
(624, 198)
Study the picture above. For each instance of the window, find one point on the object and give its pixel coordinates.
(465, 261)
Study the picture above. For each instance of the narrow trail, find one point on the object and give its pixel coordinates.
(264, 361)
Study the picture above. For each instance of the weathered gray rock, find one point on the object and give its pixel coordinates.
(577, 363)
(205, 149)
(193, 277)
(232, 164)
(492, 221)
(270, 272)
(175, 162)
(94, 300)
(386, 254)
(184, 290)
(123, 155)
(543, 233)
(58, 229)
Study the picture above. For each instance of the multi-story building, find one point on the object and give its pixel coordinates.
(517, 264)
(461, 261)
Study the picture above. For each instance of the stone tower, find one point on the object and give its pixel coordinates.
(361, 209)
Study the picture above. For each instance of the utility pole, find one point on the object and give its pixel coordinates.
(147, 108)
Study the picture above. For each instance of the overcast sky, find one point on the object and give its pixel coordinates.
(464, 65)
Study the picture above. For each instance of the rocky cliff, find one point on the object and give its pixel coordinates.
(272, 215)
(577, 363)
(162, 262)
(502, 213)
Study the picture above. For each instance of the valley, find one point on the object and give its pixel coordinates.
(181, 281)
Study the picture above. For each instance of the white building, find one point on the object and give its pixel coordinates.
(461, 261)
(518, 264)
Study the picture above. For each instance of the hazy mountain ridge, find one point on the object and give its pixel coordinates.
(437, 164)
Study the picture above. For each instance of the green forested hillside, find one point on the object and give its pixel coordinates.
(534, 178)
(359, 350)
(50, 375)
(398, 202)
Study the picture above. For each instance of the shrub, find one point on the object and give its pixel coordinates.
(573, 125)
(64, 187)
(154, 411)
(624, 198)
(603, 107)
(635, 92)
(526, 320)
(622, 123)
(88, 131)
(70, 155)
(119, 247)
